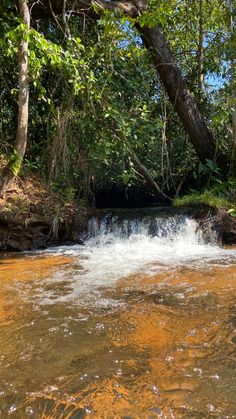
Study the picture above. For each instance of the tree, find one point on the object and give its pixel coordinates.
(16, 158)
(180, 96)
(113, 63)
(232, 45)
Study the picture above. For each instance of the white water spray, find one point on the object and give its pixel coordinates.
(117, 247)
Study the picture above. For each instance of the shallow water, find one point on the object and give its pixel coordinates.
(138, 322)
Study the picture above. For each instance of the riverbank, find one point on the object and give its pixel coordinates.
(34, 217)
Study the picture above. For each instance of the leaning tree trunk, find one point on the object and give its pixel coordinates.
(142, 170)
(200, 49)
(14, 164)
(178, 92)
(153, 39)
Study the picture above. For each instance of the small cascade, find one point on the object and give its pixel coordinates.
(111, 227)
(119, 244)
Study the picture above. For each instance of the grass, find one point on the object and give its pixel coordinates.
(208, 197)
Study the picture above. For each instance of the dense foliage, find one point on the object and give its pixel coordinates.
(95, 96)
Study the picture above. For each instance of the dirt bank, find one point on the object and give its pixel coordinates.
(34, 217)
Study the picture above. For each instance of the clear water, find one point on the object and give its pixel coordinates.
(140, 321)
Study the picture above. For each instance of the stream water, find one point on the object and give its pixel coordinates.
(139, 322)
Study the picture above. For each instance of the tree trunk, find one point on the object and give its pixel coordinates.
(153, 39)
(178, 93)
(200, 50)
(233, 82)
(147, 176)
(14, 164)
(234, 118)
(142, 170)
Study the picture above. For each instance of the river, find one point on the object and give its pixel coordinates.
(139, 322)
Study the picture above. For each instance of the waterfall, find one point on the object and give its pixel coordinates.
(119, 244)
(130, 244)
(112, 227)
(118, 247)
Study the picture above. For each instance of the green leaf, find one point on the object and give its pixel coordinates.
(15, 162)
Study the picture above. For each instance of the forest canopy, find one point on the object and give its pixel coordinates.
(100, 92)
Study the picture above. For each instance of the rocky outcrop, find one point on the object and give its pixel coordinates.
(22, 235)
(15, 236)
(217, 225)
(224, 227)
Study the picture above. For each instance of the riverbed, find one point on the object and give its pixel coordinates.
(140, 321)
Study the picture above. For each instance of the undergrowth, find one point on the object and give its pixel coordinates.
(221, 196)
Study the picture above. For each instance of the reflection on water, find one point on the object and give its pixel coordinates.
(158, 342)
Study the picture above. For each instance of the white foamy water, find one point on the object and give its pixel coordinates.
(118, 248)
